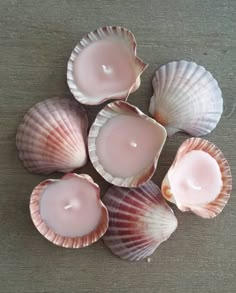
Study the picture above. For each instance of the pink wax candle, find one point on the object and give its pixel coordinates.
(69, 211)
(104, 66)
(196, 179)
(199, 180)
(125, 144)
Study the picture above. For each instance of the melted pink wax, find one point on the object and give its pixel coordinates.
(196, 179)
(70, 207)
(126, 145)
(104, 68)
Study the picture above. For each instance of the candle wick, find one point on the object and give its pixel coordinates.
(133, 144)
(73, 203)
(67, 207)
(194, 186)
(107, 69)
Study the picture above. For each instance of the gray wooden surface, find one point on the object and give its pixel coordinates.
(36, 38)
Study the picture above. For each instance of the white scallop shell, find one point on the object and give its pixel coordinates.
(110, 111)
(104, 33)
(211, 209)
(139, 221)
(186, 98)
(53, 136)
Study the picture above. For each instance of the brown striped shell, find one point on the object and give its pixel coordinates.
(53, 136)
(139, 221)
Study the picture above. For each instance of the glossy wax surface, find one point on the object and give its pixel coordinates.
(104, 68)
(196, 178)
(127, 145)
(70, 207)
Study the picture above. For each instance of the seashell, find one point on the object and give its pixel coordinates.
(44, 224)
(103, 79)
(186, 98)
(139, 221)
(115, 168)
(53, 136)
(208, 182)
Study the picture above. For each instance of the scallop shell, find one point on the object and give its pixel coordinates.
(105, 33)
(53, 136)
(139, 221)
(49, 234)
(186, 98)
(212, 209)
(110, 111)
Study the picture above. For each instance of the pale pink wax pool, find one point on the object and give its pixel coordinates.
(196, 178)
(70, 207)
(126, 145)
(104, 68)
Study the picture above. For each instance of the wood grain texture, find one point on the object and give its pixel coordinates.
(36, 38)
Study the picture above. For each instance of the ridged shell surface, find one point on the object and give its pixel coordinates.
(186, 98)
(53, 136)
(139, 221)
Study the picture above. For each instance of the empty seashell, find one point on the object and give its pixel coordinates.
(186, 98)
(68, 212)
(199, 179)
(124, 144)
(53, 136)
(104, 66)
(139, 221)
